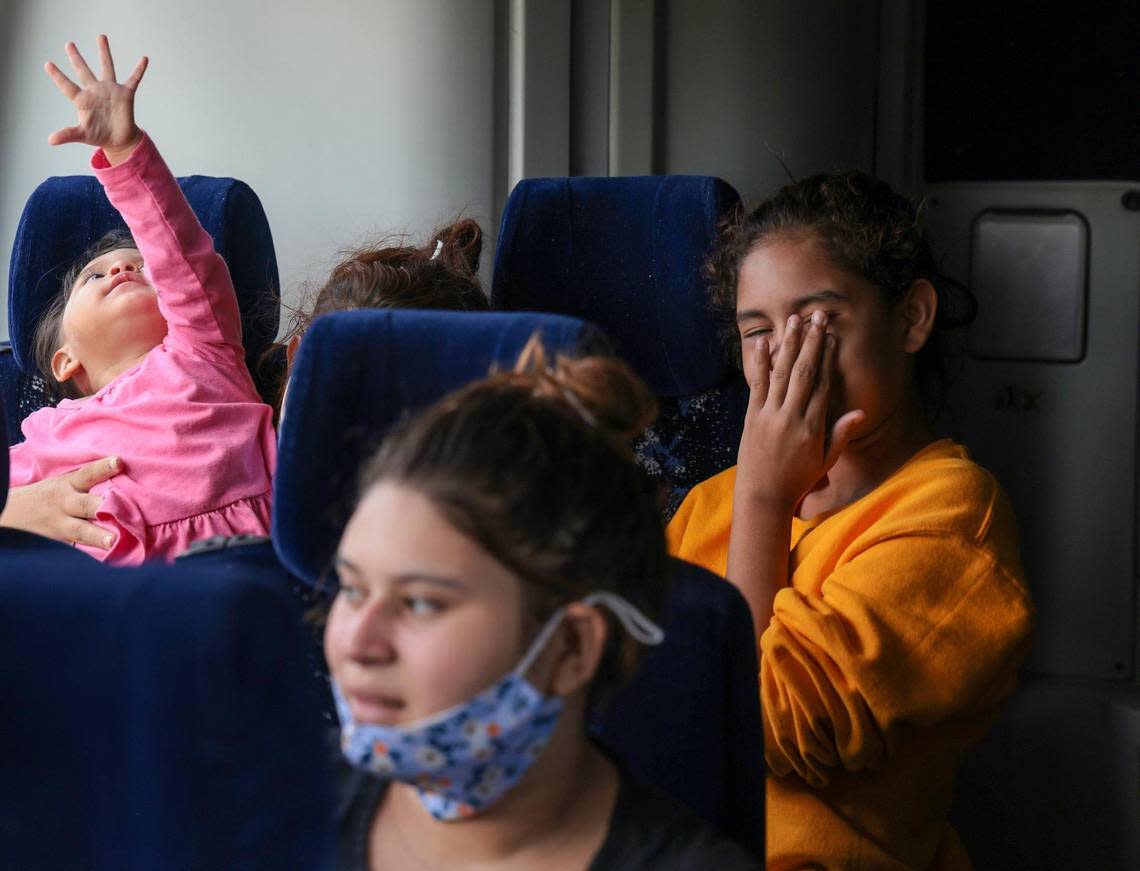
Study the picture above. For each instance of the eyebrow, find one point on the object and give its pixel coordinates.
(406, 577)
(801, 302)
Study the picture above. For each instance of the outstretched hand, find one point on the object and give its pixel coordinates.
(106, 108)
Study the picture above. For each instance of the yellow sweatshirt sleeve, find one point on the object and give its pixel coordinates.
(909, 631)
(700, 528)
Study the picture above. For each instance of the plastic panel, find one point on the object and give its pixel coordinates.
(1030, 272)
(1062, 438)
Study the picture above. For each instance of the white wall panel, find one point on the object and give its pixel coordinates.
(749, 83)
(349, 119)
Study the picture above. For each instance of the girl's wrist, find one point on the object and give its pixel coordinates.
(117, 154)
(759, 497)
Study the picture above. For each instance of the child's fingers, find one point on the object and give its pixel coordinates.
(66, 86)
(86, 477)
(761, 364)
(841, 435)
(108, 63)
(816, 412)
(82, 532)
(65, 135)
(785, 360)
(82, 71)
(136, 75)
(805, 372)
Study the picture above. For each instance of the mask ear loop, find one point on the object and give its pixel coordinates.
(640, 627)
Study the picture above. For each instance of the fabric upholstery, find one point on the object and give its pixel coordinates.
(157, 717)
(356, 373)
(20, 394)
(689, 721)
(65, 214)
(627, 254)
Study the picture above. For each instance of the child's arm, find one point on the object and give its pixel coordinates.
(195, 293)
(785, 449)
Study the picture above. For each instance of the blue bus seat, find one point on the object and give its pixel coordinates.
(65, 214)
(355, 375)
(161, 716)
(20, 393)
(690, 721)
(627, 255)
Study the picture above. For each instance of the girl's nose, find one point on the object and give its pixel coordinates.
(122, 266)
(370, 636)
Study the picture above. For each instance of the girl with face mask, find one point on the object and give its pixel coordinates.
(504, 562)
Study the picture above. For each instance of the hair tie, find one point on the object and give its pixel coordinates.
(438, 248)
(576, 404)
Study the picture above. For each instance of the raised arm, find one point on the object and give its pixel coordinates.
(195, 293)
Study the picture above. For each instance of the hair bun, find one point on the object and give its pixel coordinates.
(601, 390)
(459, 244)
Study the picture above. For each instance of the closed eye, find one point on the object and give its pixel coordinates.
(91, 275)
(755, 332)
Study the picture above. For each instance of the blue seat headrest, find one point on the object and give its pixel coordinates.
(627, 253)
(357, 373)
(66, 214)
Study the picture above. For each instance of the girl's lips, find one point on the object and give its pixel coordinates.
(124, 277)
(382, 710)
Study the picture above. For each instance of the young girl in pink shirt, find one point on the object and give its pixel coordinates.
(147, 342)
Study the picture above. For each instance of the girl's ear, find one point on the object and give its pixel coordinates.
(919, 309)
(582, 641)
(63, 365)
(291, 350)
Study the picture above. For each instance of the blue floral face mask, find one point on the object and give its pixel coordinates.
(466, 758)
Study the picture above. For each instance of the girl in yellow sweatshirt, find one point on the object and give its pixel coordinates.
(880, 564)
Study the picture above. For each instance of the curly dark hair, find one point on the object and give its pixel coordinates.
(49, 329)
(440, 274)
(867, 229)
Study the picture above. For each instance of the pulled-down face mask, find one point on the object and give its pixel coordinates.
(465, 758)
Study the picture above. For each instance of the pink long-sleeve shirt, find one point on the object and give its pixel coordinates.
(197, 443)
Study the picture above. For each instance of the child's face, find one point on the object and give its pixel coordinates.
(792, 274)
(425, 618)
(112, 304)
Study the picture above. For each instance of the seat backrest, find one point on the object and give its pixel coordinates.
(20, 393)
(627, 255)
(65, 214)
(161, 716)
(689, 721)
(357, 373)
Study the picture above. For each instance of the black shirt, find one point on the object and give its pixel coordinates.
(648, 830)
